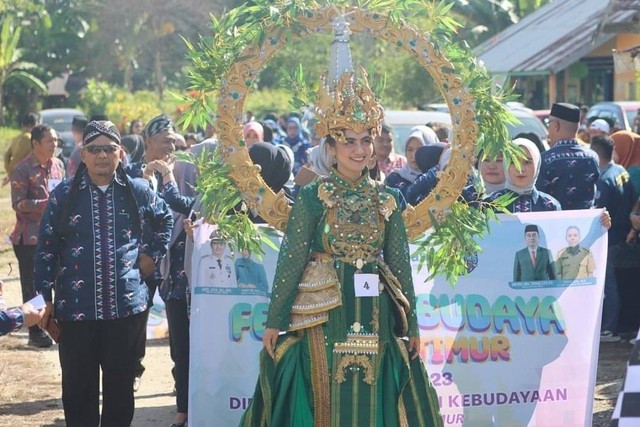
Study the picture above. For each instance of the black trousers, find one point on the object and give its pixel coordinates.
(179, 347)
(628, 280)
(26, 259)
(85, 347)
(141, 347)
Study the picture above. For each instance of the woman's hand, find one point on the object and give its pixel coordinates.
(414, 347)
(269, 341)
(189, 226)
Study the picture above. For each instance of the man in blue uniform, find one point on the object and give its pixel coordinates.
(569, 171)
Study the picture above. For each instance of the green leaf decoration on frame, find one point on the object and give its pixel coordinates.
(224, 63)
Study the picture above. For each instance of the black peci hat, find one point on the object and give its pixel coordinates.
(564, 111)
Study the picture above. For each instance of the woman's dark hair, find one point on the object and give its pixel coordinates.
(191, 136)
(267, 132)
(329, 140)
(134, 146)
(37, 132)
(132, 124)
(29, 120)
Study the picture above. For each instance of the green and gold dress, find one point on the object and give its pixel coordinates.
(349, 370)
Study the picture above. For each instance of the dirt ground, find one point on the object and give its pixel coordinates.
(30, 381)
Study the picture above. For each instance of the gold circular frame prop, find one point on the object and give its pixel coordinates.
(274, 208)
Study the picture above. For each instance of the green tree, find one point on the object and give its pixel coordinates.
(11, 65)
(482, 19)
(524, 7)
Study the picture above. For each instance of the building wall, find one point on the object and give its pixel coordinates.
(626, 84)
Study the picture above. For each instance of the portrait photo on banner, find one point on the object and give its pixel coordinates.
(223, 271)
(515, 342)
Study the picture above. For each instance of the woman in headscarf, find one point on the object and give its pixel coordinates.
(253, 132)
(428, 159)
(403, 177)
(492, 172)
(321, 159)
(296, 141)
(275, 165)
(626, 152)
(433, 163)
(520, 182)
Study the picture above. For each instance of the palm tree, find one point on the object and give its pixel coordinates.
(11, 67)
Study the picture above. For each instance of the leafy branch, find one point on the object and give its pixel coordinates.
(449, 249)
(222, 205)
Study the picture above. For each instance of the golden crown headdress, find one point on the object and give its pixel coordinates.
(342, 103)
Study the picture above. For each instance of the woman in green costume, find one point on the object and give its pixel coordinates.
(342, 343)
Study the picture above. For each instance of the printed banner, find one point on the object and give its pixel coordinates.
(229, 303)
(157, 325)
(514, 343)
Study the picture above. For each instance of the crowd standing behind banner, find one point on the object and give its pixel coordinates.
(568, 172)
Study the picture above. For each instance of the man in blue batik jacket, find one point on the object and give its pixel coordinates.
(88, 255)
(568, 171)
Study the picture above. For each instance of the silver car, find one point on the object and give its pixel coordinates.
(60, 119)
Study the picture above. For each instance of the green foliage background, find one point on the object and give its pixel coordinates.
(139, 45)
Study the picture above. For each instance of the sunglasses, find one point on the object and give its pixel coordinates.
(107, 149)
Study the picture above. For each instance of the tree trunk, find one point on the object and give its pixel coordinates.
(159, 73)
(127, 78)
(2, 102)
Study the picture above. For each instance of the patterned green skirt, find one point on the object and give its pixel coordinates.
(314, 382)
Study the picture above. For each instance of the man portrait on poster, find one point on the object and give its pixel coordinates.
(216, 268)
(533, 262)
(574, 261)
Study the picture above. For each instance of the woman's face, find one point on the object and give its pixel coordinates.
(526, 174)
(492, 171)
(355, 155)
(412, 146)
(251, 137)
(136, 127)
(292, 130)
(384, 145)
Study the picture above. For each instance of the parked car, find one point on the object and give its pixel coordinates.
(621, 113)
(60, 119)
(543, 115)
(529, 123)
(401, 121)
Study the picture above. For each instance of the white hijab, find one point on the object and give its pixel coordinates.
(426, 136)
(321, 160)
(535, 157)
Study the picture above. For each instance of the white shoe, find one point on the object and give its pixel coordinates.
(608, 336)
